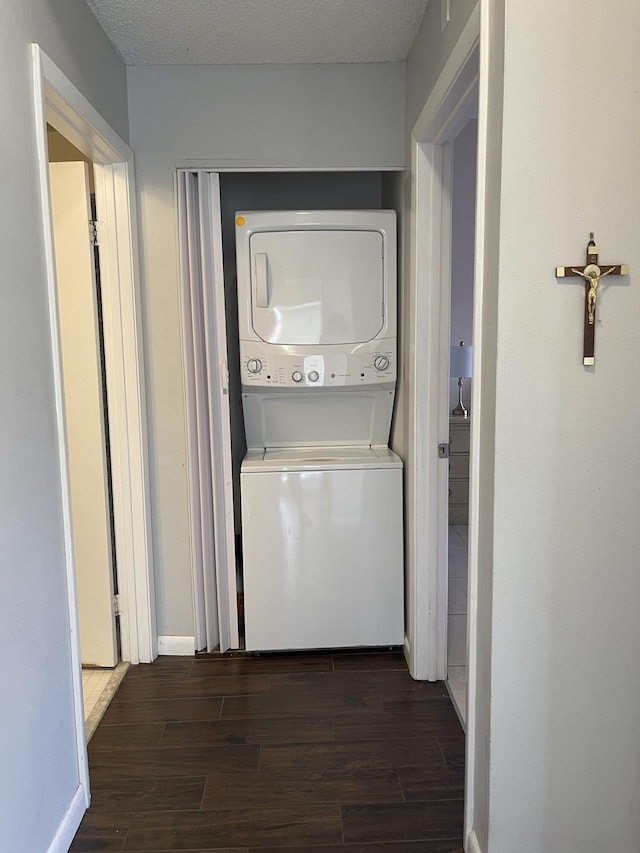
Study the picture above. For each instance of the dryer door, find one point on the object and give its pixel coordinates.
(317, 287)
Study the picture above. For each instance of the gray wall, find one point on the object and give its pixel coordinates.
(430, 51)
(280, 117)
(554, 735)
(37, 739)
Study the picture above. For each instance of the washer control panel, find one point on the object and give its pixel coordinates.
(294, 370)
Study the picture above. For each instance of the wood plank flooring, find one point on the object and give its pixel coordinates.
(317, 753)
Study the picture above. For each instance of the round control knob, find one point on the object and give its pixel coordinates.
(381, 362)
(313, 376)
(297, 376)
(254, 365)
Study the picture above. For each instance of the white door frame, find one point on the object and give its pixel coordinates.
(58, 102)
(446, 112)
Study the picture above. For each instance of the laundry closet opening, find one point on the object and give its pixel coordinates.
(273, 191)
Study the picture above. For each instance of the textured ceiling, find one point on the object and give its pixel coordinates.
(210, 32)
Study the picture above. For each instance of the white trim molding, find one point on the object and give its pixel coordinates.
(473, 845)
(127, 413)
(39, 83)
(70, 822)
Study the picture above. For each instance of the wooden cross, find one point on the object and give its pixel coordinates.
(592, 275)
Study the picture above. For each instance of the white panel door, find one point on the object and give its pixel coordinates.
(84, 412)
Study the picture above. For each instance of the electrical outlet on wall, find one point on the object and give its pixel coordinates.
(446, 12)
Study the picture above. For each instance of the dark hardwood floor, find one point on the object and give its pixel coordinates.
(305, 752)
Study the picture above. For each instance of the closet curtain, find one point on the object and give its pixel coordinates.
(209, 465)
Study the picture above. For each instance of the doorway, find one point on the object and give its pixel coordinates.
(85, 398)
(58, 103)
(76, 229)
(451, 105)
(463, 217)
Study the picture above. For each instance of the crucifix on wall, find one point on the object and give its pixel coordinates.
(592, 274)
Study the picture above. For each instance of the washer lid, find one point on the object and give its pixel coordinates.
(320, 458)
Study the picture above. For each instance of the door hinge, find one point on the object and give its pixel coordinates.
(443, 450)
(116, 605)
(94, 232)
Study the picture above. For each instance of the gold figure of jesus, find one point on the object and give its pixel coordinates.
(592, 274)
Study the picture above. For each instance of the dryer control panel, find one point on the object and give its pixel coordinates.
(262, 367)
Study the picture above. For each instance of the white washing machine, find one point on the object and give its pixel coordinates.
(321, 492)
(323, 548)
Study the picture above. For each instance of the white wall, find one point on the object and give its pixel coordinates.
(431, 49)
(316, 116)
(37, 739)
(557, 751)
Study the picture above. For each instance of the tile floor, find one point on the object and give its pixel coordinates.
(457, 619)
(98, 689)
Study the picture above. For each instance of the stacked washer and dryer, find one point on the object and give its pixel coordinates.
(321, 492)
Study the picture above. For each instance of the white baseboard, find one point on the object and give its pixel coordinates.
(70, 822)
(472, 843)
(406, 648)
(176, 646)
